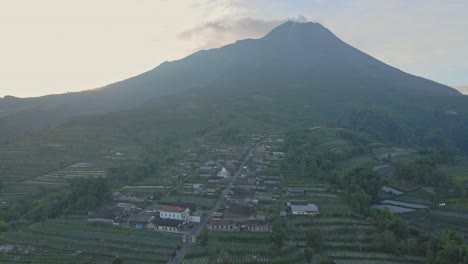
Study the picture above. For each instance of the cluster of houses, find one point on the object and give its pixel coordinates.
(161, 217)
(252, 188)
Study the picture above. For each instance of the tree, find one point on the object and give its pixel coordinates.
(204, 238)
(448, 248)
(313, 240)
(273, 249)
(279, 234)
(308, 254)
(360, 202)
(117, 260)
(3, 226)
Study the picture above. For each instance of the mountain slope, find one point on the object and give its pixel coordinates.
(298, 62)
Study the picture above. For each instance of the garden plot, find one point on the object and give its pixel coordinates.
(403, 204)
(341, 254)
(412, 199)
(392, 208)
(395, 151)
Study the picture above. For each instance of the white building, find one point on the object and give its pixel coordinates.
(310, 209)
(176, 213)
(223, 173)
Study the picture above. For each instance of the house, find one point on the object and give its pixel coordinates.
(239, 198)
(297, 202)
(126, 207)
(249, 187)
(296, 191)
(167, 224)
(195, 219)
(264, 196)
(256, 226)
(240, 212)
(391, 190)
(215, 179)
(175, 213)
(210, 188)
(141, 221)
(103, 216)
(309, 209)
(223, 225)
(223, 173)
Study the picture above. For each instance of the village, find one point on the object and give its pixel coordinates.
(235, 179)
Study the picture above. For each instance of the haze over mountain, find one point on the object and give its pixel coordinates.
(302, 66)
(463, 89)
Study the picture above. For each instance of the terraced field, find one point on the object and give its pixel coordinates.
(60, 241)
(346, 238)
(240, 247)
(40, 161)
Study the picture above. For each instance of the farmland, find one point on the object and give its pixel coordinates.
(41, 161)
(60, 241)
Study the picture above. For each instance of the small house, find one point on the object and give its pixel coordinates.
(103, 216)
(223, 225)
(296, 191)
(126, 207)
(167, 224)
(309, 209)
(257, 226)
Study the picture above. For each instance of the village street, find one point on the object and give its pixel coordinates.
(197, 231)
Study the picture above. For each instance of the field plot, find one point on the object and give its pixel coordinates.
(61, 240)
(240, 247)
(375, 256)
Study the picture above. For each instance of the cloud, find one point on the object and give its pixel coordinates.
(300, 19)
(221, 32)
(463, 89)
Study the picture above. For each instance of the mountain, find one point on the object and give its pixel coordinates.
(303, 68)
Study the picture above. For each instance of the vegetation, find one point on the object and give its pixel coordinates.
(448, 248)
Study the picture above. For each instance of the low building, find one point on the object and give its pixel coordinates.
(309, 209)
(126, 207)
(106, 215)
(210, 188)
(257, 226)
(297, 202)
(223, 225)
(167, 224)
(141, 221)
(263, 196)
(296, 191)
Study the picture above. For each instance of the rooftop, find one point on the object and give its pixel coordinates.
(305, 208)
(172, 208)
(144, 218)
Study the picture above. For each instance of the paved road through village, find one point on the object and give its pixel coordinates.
(196, 232)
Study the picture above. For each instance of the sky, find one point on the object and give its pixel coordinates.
(58, 46)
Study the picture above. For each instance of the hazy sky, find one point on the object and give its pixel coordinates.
(55, 46)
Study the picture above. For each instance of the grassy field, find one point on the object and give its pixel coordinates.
(60, 241)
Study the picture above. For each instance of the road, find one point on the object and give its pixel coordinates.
(196, 232)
